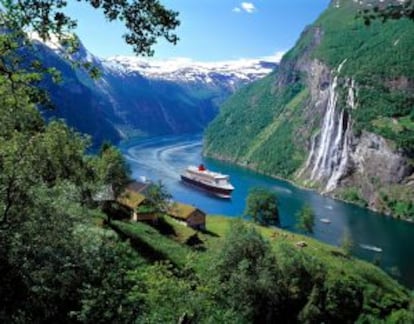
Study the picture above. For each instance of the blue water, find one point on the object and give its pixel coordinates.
(163, 158)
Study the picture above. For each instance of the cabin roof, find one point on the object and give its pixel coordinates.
(131, 199)
(181, 211)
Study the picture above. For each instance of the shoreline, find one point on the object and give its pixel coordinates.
(293, 183)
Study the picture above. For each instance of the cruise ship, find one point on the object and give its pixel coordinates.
(212, 182)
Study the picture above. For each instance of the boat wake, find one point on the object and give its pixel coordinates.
(370, 247)
(161, 162)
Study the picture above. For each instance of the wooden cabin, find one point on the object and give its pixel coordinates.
(140, 208)
(189, 215)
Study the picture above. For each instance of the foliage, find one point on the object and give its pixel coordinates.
(145, 20)
(152, 245)
(255, 127)
(398, 201)
(57, 265)
(113, 169)
(248, 274)
(59, 260)
(261, 206)
(104, 298)
(159, 196)
(285, 284)
(306, 219)
(65, 268)
(388, 10)
(353, 195)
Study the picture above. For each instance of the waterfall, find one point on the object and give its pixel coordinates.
(340, 167)
(328, 158)
(351, 95)
(322, 164)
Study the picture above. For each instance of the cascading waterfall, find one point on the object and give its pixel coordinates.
(322, 164)
(342, 161)
(329, 154)
(340, 158)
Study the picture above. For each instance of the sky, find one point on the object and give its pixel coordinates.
(210, 30)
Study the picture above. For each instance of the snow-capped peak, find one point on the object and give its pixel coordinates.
(230, 74)
(52, 42)
(188, 70)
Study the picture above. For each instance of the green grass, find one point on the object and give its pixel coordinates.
(154, 246)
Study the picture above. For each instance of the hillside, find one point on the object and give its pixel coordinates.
(310, 274)
(337, 116)
(137, 97)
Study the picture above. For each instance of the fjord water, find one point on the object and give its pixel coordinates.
(163, 158)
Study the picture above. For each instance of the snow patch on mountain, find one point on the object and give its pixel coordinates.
(52, 42)
(187, 70)
(230, 74)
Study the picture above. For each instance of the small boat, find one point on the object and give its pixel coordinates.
(371, 247)
(325, 220)
(212, 182)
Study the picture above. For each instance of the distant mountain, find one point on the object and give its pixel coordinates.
(336, 116)
(224, 75)
(138, 97)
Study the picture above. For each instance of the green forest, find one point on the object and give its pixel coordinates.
(63, 260)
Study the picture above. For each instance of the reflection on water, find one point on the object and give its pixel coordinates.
(163, 158)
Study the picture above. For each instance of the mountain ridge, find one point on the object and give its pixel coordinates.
(128, 102)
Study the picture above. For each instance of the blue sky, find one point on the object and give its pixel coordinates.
(210, 30)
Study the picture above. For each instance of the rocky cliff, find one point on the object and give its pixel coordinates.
(338, 116)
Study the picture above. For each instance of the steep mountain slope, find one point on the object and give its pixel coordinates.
(337, 116)
(138, 97)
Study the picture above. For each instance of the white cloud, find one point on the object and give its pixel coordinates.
(248, 7)
(236, 9)
(277, 57)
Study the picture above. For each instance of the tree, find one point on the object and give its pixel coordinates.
(159, 196)
(248, 275)
(113, 169)
(306, 219)
(261, 206)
